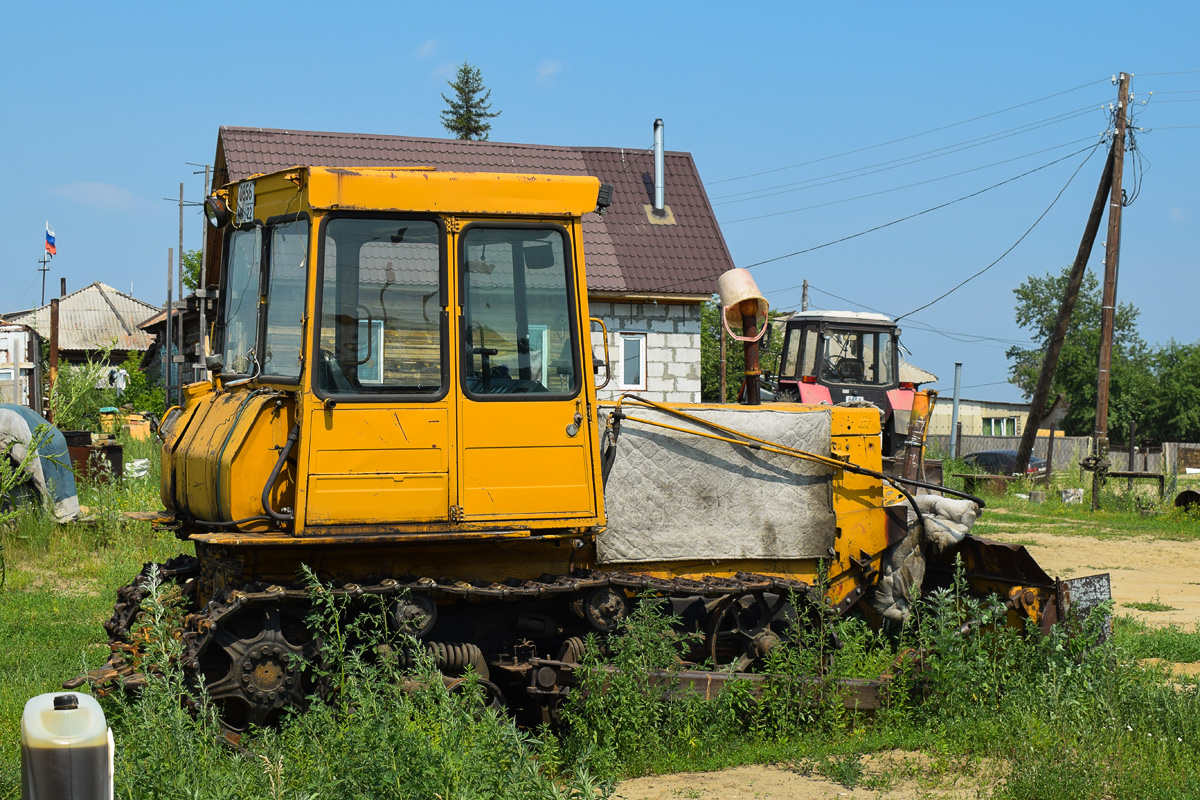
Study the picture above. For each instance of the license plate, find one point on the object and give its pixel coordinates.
(855, 398)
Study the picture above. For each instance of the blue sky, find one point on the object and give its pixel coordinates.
(787, 109)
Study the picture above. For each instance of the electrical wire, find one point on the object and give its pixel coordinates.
(980, 385)
(966, 338)
(910, 136)
(1014, 244)
(897, 188)
(883, 166)
(916, 214)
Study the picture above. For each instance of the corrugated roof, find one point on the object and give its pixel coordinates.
(913, 374)
(93, 317)
(626, 253)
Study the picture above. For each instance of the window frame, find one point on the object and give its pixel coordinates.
(571, 292)
(443, 310)
(227, 297)
(644, 371)
(265, 265)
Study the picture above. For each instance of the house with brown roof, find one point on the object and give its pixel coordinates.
(91, 319)
(648, 272)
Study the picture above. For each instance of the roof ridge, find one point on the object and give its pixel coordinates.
(394, 136)
(112, 306)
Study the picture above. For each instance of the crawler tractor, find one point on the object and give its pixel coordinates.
(403, 399)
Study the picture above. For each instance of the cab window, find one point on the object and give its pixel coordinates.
(381, 328)
(517, 312)
(240, 329)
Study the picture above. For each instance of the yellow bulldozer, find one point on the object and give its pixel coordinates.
(403, 399)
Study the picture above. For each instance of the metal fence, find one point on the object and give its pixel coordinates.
(1070, 450)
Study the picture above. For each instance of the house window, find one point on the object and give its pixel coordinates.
(1000, 426)
(633, 361)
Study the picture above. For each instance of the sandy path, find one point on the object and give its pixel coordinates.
(891, 776)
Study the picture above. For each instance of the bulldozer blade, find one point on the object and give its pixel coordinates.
(1011, 573)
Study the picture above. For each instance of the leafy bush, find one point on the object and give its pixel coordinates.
(76, 402)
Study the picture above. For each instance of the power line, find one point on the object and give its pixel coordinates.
(901, 188)
(1150, 74)
(910, 136)
(913, 216)
(969, 338)
(1014, 244)
(917, 158)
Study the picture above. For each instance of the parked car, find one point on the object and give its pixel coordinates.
(1003, 462)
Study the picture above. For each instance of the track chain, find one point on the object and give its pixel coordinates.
(199, 627)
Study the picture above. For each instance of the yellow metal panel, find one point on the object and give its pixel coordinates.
(531, 481)
(382, 439)
(366, 499)
(382, 188)
(378, 464)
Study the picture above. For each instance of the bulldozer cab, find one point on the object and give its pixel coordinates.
(427, 330)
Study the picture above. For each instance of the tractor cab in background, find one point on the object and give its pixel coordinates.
(832, 357)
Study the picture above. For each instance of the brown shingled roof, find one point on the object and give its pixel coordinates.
(625, 252)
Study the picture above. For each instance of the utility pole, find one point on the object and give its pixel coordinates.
(804, 298)
(182, 357)
(1112, 256)
(167, 339)
(44, 260)
(202, 293)
(1041, 394)
(721, 333)
(955, 434)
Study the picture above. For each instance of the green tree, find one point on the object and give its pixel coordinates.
(1131, 380)
(468, 112)
(191, 269)
(1175, 414)
(710, 356)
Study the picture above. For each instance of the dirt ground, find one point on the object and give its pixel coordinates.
(1143, 571)
(892, 776)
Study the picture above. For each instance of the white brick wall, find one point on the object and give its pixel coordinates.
(672, 345)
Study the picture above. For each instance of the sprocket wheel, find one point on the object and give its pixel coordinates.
(253, 665)
(744, 628)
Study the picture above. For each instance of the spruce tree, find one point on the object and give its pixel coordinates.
(468, 112)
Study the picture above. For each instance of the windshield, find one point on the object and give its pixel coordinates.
(858, 357)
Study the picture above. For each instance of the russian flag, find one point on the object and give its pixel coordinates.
(50, 248)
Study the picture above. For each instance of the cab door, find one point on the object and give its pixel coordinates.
(525, 431)
(381, 417)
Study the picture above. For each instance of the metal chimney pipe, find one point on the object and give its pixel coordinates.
(659, 200)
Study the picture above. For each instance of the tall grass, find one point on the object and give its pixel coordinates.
(1044, 716)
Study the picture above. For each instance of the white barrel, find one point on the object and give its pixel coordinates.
(66, 749)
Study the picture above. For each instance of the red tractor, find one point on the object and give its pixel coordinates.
(832, 357)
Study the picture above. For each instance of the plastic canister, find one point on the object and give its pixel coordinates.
(66, 749)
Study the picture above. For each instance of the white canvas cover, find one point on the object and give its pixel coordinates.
(674, 496)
